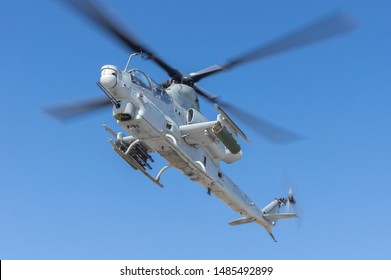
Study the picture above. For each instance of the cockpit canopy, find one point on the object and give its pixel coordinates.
(141, 79)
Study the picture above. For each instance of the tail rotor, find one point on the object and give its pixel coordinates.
(291, 205)
(290, 200)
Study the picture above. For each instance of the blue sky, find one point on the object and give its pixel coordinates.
(64, 194)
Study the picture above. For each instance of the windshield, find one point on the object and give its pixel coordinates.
(139, 78)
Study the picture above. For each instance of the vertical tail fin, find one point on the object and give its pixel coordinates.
(272, 214)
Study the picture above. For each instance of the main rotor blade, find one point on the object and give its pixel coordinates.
(96, 15)
(266, 129)
(336, 24)
(205, 94)
(65, 112)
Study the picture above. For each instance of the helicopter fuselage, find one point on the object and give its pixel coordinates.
(168, 122)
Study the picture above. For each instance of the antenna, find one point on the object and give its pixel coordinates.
(130, 58)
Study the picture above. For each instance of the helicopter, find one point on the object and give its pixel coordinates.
(165, 118)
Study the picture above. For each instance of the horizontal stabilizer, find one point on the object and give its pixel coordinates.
(277, 216)
(241, 221)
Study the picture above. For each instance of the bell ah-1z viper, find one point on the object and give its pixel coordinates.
(165, 118)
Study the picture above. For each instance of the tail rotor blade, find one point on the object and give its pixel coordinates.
(291, 199)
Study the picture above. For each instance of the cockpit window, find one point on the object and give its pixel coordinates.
(160, 93)
(140, 79)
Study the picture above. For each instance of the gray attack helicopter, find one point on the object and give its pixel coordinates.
(165, 118)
